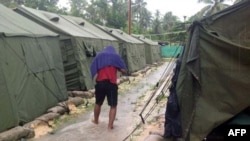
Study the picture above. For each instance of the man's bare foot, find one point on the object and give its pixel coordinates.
(94, 121)
(110, 127)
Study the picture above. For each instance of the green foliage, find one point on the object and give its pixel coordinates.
(78, 7)
(46, 5)
(117, 18)
(63, 11)
(12, 4)
(97, 12)
(116, 21)
(169, 21)
(157, 26)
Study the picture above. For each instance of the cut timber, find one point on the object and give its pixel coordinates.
(82, 94)
(44, 119)
(76, 100)
(58, 109)
(17, 133)
(143, 71)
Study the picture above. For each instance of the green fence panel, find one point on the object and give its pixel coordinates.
(171, 51)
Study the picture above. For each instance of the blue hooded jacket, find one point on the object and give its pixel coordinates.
(108, 57)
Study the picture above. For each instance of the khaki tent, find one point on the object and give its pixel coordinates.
(78, 45)
(31, 70)
(131, 49)
(152, 49)
(213, 83)
(105, 38)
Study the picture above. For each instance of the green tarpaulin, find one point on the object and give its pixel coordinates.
(31, 70)
(213, 83)
(171, 51)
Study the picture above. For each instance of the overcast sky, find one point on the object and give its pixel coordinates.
(178, 8)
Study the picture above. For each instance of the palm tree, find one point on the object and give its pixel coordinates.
(213, 7)
(97, 11)
(169, 21)
(157, 24)
(78, 7)
(142, 18)
(137, 8)
(116, 17)
(145, 20)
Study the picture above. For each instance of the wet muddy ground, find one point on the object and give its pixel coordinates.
(131, 100)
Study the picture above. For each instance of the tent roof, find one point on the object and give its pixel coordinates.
(88, 27)
(13, 24)
(237, 31)
(144, 39)
(56, 22)
(120, 34)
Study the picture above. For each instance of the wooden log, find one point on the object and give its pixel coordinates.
(83, 94)
(44, 119)
(63, 104)
(70, 93)
(92, 91)
(58, 109)
(48, 116)
(76, 100)
(16, 134)
(33, 124)
(145, 70)
(142, 71)
(135, 74)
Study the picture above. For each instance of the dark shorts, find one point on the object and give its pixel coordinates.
(103, 89)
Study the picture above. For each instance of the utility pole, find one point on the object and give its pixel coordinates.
(129, 17)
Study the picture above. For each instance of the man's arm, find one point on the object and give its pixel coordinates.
(123, 70)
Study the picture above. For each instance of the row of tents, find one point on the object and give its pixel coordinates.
(44, 55)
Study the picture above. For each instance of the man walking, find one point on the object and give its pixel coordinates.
(105, 65)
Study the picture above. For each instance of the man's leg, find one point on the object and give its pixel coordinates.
(112, 115)
(99, 98)
(97, 111)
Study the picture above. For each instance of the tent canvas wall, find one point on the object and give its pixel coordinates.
(78, 46)
(31, 70)
(106, 39)
(131, 49)
(152, 49)
(213, 83)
